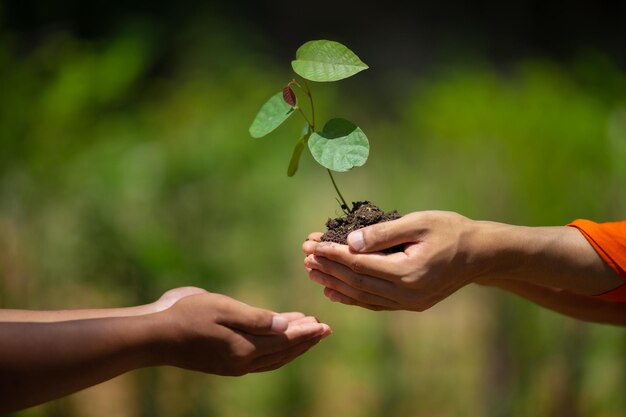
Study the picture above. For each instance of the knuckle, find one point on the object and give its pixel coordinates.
(324, 248)
(261, 320)
(381, 233)
(409, 282)
(401, 267)
(413, 278)
(221, 302)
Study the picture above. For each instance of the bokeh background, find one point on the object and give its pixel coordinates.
(126, 169)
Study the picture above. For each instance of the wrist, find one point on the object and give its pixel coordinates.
(163, 337)
(151, 341)
(494, 250)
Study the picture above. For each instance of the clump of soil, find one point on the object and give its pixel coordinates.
(363, 213)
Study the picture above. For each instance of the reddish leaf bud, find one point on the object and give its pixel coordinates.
(289, 96)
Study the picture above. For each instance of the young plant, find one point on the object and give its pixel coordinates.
(340, 145)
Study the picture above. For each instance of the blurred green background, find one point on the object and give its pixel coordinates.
(126, 169)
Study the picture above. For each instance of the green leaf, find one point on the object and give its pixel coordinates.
(340, 146)
(326, 61)
(272, 114)
(297, 151)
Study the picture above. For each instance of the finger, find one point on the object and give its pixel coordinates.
(292, 315)
(297, 333)
(388, 266)
(316, 236)
(309, 244)
(338, 297)
(386, 235)
(308, 319)
(297, 318)
(306, 328)
(253, 320)
(276, 360)
(360, 296)
(361, 282)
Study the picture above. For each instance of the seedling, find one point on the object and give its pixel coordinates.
(340, 145)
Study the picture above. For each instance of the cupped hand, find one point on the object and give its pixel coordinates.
(216, 334)
(435, 262)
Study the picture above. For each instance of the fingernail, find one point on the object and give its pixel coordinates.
(355, 240)
(279, 324)
(327, 332)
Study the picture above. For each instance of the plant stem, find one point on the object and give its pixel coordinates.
(308, 93)
(304, 115)
(344, 205)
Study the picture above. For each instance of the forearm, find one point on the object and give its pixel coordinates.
(557, 257)
(580, 307)
(44, 361)
(42, 316)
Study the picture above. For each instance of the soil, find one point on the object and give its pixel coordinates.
(363, 213)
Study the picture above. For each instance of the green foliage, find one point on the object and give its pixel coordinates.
(297, 150)
(340, 146)
(326, 61)
(272, 114)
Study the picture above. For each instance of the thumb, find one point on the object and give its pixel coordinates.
(254, 320)
(384, 235)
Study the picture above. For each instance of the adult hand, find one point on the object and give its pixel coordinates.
(444, 251)
(216, 334)
(433, 265)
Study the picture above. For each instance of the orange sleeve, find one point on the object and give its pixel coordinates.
(609, 241)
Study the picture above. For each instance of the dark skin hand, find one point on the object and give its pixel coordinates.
(42, 359)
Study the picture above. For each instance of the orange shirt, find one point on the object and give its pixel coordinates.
(609, 240)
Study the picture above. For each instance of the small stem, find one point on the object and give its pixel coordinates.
(308, 93)
(303, 115)
(344, 206)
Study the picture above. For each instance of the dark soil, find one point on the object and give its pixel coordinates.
(363, 213)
